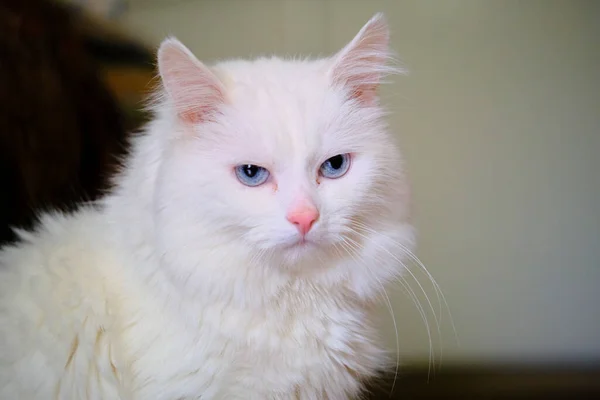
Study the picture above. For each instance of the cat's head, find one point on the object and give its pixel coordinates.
(290, 160)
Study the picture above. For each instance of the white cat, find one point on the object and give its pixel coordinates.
(241, 252)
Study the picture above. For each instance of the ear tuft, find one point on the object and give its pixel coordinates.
(194, 90)
(362, 63)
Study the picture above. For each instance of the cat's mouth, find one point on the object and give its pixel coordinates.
(299, 249)
(302, 242)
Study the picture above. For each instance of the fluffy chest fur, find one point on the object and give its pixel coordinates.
(306, 348)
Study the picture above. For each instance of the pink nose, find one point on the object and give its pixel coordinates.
(303, 218)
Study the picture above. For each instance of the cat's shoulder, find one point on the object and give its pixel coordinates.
(53, 299)
(55, 233)
(65, 251)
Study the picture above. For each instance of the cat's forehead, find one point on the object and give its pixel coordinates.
(279, 105)
(274, 71)
(274, 83)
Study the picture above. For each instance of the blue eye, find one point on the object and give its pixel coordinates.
(251, 175)
(336, 166)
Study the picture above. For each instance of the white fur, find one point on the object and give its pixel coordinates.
(183, 283)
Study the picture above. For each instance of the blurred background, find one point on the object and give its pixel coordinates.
(498, 118)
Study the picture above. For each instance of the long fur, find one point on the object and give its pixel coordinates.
(185, 284)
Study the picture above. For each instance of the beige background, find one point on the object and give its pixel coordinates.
(500, 122)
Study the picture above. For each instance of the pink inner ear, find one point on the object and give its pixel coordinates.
(196, 95)
(365, 93)
(361, 64)
(195, 91)
(196, 116)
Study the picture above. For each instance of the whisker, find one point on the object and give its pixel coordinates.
(420, 264)
(414, 277)
(387, 302)
(436, 287)
(439, 293)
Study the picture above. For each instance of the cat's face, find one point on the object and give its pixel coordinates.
(290, 159)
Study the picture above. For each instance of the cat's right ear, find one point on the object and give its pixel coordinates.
(193, 89)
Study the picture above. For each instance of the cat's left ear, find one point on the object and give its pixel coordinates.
(194, 90)
(361, 64)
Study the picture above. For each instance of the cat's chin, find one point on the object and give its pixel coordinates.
(308, 254)
(300, 249)
(301, 244)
